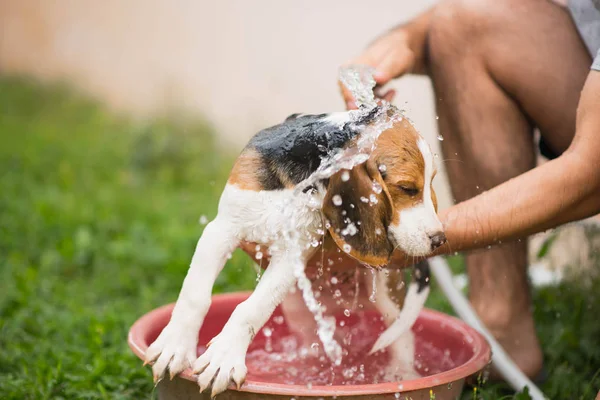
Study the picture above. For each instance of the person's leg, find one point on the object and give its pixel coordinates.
(498, 70)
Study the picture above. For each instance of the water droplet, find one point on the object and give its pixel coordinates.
(257, 248)
(377, 187)
(267, 331)
(315, 243)
(337, 200)
(377, 231)
(382, 168)
(345, 176)
(347, 312)
(372, 296)
(397, 395)
(347, 248)
(259, 255)
(349, 230)
(349, 372)
(203, 220)
(364, 199)
(373, 199)
(440, 138)
(334, 280)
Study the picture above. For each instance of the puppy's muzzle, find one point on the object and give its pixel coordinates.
(437, 239)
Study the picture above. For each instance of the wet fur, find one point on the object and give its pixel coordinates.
(258, 203)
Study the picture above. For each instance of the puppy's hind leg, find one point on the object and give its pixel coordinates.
(225, 357)
(175, 347)
(402, 350)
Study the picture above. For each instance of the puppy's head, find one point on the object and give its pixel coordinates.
(388, 201)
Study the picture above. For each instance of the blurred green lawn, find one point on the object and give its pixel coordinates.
(98, 221)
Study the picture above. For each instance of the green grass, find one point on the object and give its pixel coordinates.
(98, 221)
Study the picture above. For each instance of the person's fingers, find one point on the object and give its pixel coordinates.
(395, 64)
(388, 96)
(347, 96)
(391, 58)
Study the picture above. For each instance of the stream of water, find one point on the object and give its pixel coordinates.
(360, 82)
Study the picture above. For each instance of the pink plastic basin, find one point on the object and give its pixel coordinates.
(447, 351)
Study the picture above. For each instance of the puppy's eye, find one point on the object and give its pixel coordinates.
(411, 191)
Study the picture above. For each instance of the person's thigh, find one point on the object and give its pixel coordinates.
(530, 48)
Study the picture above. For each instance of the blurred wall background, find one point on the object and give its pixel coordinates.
(242, 65)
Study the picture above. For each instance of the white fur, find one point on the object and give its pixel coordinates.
(175, 347)
(413, 234)
(264, 217)
(413, 304)
(338, 118)
(413, 231)
(286, 222)
(402, 349)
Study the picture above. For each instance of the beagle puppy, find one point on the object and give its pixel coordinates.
(386, 202)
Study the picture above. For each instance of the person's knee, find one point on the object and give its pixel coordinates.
(458, 27)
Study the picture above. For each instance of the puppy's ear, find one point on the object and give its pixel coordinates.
(359, 210)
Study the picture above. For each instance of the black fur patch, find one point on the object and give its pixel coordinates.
(296, 147)
(421, 275)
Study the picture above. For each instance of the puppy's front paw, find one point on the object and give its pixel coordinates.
(225, 361)
(174, 349)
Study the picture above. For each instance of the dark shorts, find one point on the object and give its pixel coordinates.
(586, 15)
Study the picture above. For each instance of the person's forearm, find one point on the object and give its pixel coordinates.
(560, 191)
(563, 190)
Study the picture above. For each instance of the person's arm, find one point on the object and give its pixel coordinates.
(562, 190)
(399, 51)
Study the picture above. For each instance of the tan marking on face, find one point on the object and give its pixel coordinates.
(398, 150)
(405, 168)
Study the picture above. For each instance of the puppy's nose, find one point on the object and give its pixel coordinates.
(437, 239)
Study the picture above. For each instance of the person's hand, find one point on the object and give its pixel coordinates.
(391, 57)
(395, 53)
